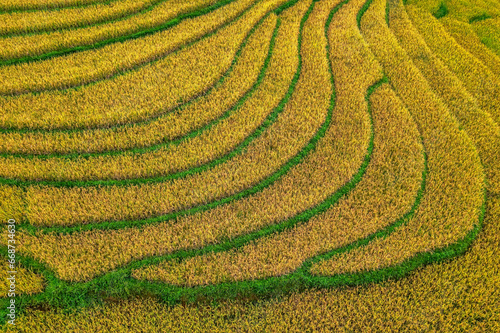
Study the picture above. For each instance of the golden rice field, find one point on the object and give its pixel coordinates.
(250, 165)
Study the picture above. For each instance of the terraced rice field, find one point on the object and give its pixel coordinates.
(250, 165)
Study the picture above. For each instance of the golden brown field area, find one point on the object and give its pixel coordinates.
(250, 166)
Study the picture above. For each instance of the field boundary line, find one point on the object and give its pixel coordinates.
(140, 34)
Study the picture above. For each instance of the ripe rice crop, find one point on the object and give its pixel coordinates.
(22, 5)
(198, 148)
(17, 23)
(349, 105)
(24, 48)
(137, 95)
(189, 117)
(467, 68)
(460, 10)
(481, 16)
(187, 231)
(488, 31)
(275, 256)
(249, 165)
(27, 282)
(483, 131)
(464, 34)
(450, 296)
(102, 63)
(11, 203)
(266, 153)
(452, 160)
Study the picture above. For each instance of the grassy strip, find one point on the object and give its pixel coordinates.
(362, 12)
(387, 10)
(121, 39)
(79, 163)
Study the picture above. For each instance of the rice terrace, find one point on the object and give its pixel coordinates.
(250, 165)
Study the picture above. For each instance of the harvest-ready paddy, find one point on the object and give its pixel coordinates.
(250, 165)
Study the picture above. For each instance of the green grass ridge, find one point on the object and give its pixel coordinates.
(149, 120)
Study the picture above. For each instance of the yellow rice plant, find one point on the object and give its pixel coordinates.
(489, 32)
(12, 203)
(60, 252)
(465, 35)
(482, 15)
(386, 192)
(350, 119)
(469, 10)
(101, 63)
(430, 6)
(168, 127)
(483, 131)
(459, 295)
(218, 141)
(138, 94)
(454, 194)
(476, 77)
(27, 282)
(41, 4)
(43, 20)
(453, 296)
(261, 158)
(38, 44)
